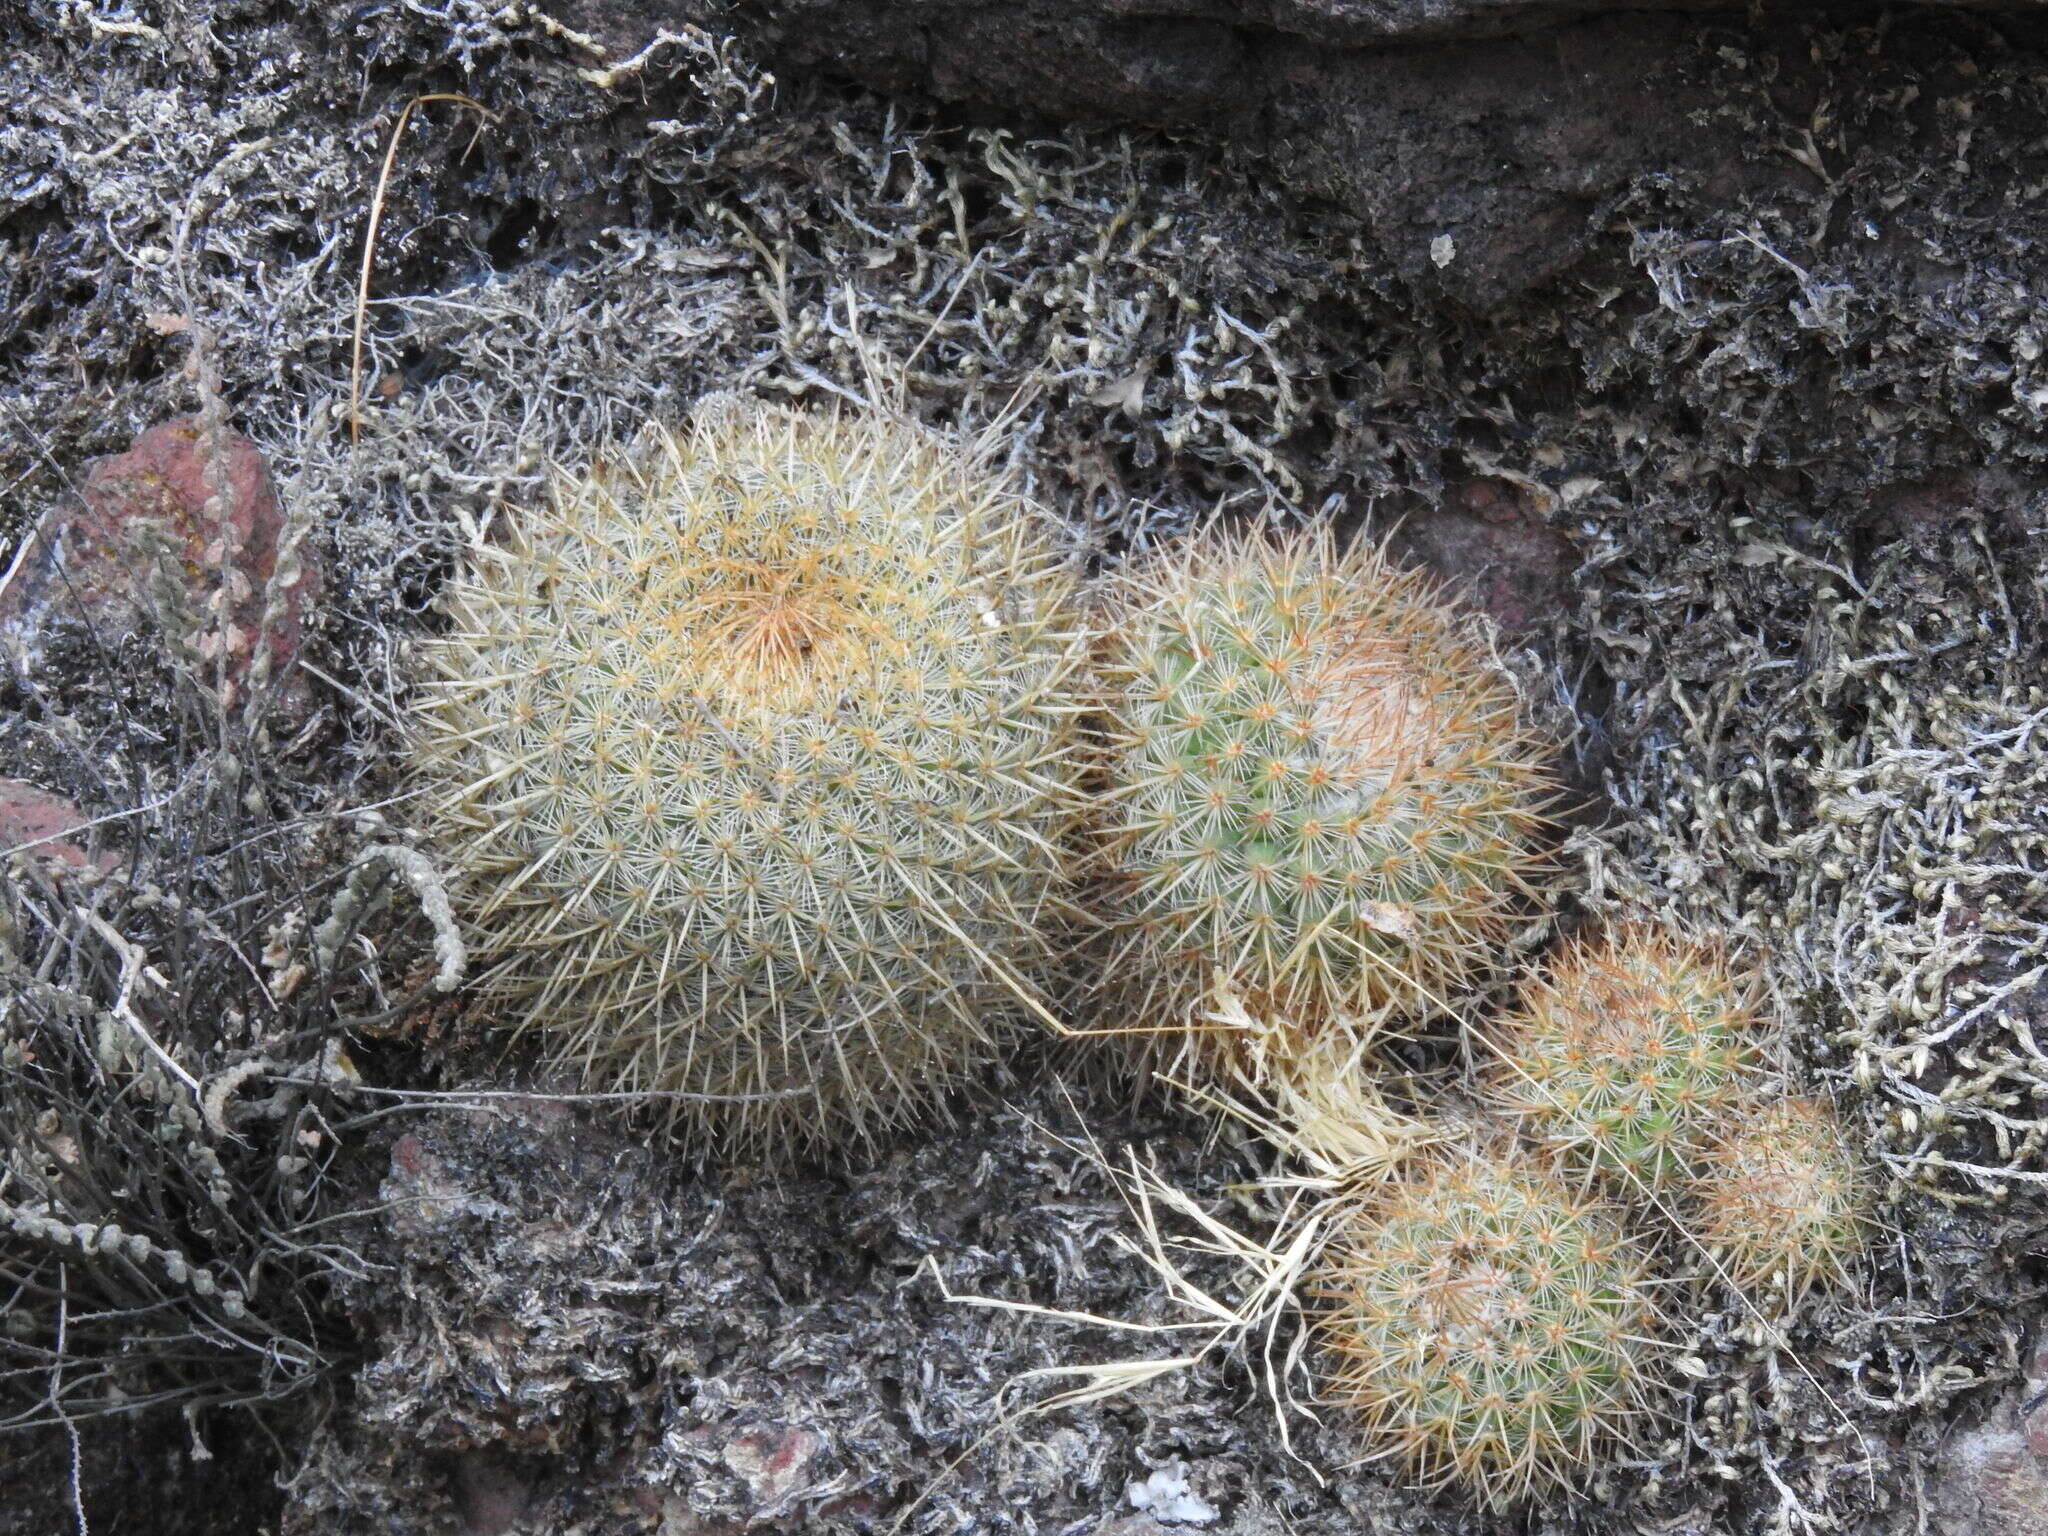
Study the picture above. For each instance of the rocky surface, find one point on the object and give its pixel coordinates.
(566, 1335)
(1482, 141)
(1992, 1479)
(183, 533)
(1490, 543)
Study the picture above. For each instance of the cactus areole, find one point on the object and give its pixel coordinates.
(753, 755)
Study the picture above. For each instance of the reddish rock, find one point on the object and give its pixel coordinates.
(34, 821)
(490, 1493)
(1491, 546)
(1993, 1480)
(1922, 510)
(182, 531)
(424, 1196)
(2034, 1399)
(678, 1519)
(773, 1462)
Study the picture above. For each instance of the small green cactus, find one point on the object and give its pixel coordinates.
(1320, 789)
(754, 758)
(1489, 1325)
(1628, 1055)
(1780, 1200)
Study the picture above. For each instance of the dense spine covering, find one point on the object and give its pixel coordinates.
(1489, 1325)
(1628, 1055)
(1779, 1199)
(1320, 791)
(755, 758)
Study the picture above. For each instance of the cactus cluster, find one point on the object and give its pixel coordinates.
(756, 756)
(1489, 1318)
(1490, 1325)
(1321, 790)
(759, 762)
(1637, 1062)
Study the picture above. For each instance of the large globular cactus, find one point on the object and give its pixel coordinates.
(754, 758)
(1489, 1325)
(1320, 790)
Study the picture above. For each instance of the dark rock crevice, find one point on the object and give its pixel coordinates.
(1477, 139)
